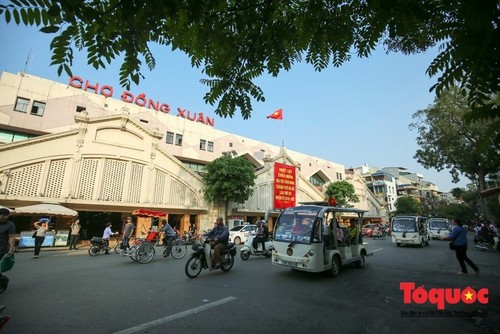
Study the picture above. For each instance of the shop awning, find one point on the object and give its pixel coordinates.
(148, 213)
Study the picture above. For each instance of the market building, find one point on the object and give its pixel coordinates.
(106, 153)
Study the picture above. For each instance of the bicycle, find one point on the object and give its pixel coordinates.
(179, 249)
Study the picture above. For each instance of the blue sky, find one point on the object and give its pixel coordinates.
(356, 114)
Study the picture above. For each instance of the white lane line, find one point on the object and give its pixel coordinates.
(176, 316)
(376, 250)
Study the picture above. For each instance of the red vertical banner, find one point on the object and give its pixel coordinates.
(284, 186)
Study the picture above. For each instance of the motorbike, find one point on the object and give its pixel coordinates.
(203, 258)
(483, 244)
(247, 250)
(4, 283)
(97, 245)
(190, 238)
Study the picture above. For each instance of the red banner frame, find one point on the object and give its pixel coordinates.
(285, 186)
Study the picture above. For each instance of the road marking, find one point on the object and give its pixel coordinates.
(176, 316)
(376, 250)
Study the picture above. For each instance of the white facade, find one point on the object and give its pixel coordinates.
(92, 151)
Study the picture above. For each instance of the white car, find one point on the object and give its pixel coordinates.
(239, 234)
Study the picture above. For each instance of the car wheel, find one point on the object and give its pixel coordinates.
(398, 244)
(335, 269)
(237, 240)
(362, 261)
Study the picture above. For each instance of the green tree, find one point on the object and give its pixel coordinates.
(236, 41)
(464, 212)
(448, 140)
(408, 205)
(227, 179)
(343, 192)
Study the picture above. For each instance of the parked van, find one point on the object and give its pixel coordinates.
(409, 230)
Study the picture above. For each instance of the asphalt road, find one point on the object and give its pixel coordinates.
(71, 292)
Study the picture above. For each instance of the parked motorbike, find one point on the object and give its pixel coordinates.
(97, 245)
(203, 258)
(248, 249)
(483, 244)
(190, 238)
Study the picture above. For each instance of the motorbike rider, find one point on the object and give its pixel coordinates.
(262, 234)
(220, 238)
(488, 232)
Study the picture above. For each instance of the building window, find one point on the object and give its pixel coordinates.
(170, 137)
(316, 180)
(339, 176)
(203, 144)
(21, 104)
(210, 147)
(178, 139)
(38, 108)
(80, 109)
(230, 144)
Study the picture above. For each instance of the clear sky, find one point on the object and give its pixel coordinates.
(353, 115)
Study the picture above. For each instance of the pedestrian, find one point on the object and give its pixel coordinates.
(108, 233)
(41, 226)
(459, 237)
(128, 228)
(169, 237)
(74, 235)
(7, 242)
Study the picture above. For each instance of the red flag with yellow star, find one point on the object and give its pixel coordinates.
(278, 114)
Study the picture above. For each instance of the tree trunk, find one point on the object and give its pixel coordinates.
(482, 186)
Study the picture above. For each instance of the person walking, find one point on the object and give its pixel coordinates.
(128, 228)
(41, 226)
(459, 237)
(169, 237)
(74, 234)
(7, 242)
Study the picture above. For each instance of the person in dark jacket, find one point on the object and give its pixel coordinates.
(459, 237)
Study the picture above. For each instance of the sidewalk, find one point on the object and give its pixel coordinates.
(82, 244)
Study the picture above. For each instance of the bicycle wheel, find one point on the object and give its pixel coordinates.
(193, 266)
(133, 252)
(145, 252)
(117, 248)
(94, 250)
(179, 249)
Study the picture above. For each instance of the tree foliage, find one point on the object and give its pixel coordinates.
(343, 192)
(408, 205)
(236, 41)
(463, 212)
(449, 139)
(227, 179)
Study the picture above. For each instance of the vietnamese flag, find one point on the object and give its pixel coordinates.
(278, 114)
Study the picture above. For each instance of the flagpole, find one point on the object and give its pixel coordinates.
(282, 134)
